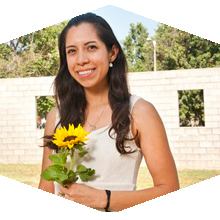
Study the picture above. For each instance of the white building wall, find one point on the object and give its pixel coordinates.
(192, 147)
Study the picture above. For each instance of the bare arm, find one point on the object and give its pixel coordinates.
(154, 144)
(158, 157)
(49, 130)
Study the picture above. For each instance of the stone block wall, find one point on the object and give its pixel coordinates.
(192, 147)
(19, 137)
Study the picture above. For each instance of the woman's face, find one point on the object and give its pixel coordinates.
(87, 57)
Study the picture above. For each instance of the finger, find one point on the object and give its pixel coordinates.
(69, 185)
(68, 197)
(61, 194)
(63, 190)
(66, 186)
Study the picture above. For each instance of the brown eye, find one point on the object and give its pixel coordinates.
(92, 47)
(71, 51)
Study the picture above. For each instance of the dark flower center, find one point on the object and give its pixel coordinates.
(69, 138)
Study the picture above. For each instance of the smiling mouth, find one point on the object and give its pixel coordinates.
(86, 72)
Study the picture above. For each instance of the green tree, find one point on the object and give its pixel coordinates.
(191, 108)
(134, 48)
(44, 105)
(177, 49)
(35, 54)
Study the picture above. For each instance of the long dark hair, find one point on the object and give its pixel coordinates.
(70, 95)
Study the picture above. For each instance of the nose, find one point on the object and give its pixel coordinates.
(82, 58)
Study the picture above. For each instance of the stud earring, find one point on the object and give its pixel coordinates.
(110, 64)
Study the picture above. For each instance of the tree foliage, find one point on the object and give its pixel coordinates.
(191, 108)
(44, 105)
(134, 48)
(35, 54)
(177, 49)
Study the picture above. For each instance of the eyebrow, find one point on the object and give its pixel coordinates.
(84, 44)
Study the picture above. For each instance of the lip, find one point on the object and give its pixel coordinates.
(85, 75)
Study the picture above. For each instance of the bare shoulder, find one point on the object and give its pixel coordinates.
(52, 114)
(142, 104)
(143, 108)
(146, 118)
(154, 145)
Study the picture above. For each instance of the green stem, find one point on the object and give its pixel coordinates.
(72, 160)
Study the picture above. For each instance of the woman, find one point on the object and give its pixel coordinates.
(91, 89)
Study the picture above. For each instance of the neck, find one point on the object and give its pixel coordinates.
(97, 97)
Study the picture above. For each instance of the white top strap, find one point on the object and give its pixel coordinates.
(133, 100)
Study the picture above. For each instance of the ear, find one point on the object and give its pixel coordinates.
(114, 53)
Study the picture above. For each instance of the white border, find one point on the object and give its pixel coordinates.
(21, 201)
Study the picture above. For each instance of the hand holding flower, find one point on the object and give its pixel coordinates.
(83, 194)
(69, 143)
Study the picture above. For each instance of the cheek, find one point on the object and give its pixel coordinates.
(70, 64)
(102, 61)
(69, 61)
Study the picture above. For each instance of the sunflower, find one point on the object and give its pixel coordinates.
(67, 138)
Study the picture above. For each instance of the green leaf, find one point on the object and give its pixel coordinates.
(82, 154)
(65, 170)
(91, 172)
(59, 159)
(72, 176)
(84, 177)
(79, 146)
(81, 168)
(85, 173)
(54, 173)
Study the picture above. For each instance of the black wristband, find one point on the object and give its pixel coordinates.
(108, 192)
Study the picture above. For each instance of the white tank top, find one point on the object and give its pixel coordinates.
(114, 172)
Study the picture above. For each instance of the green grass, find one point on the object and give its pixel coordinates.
(186, 177)
(191, 177)
(30, 175)
(25, 173)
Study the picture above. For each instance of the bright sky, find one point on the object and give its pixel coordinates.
(120, 19)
